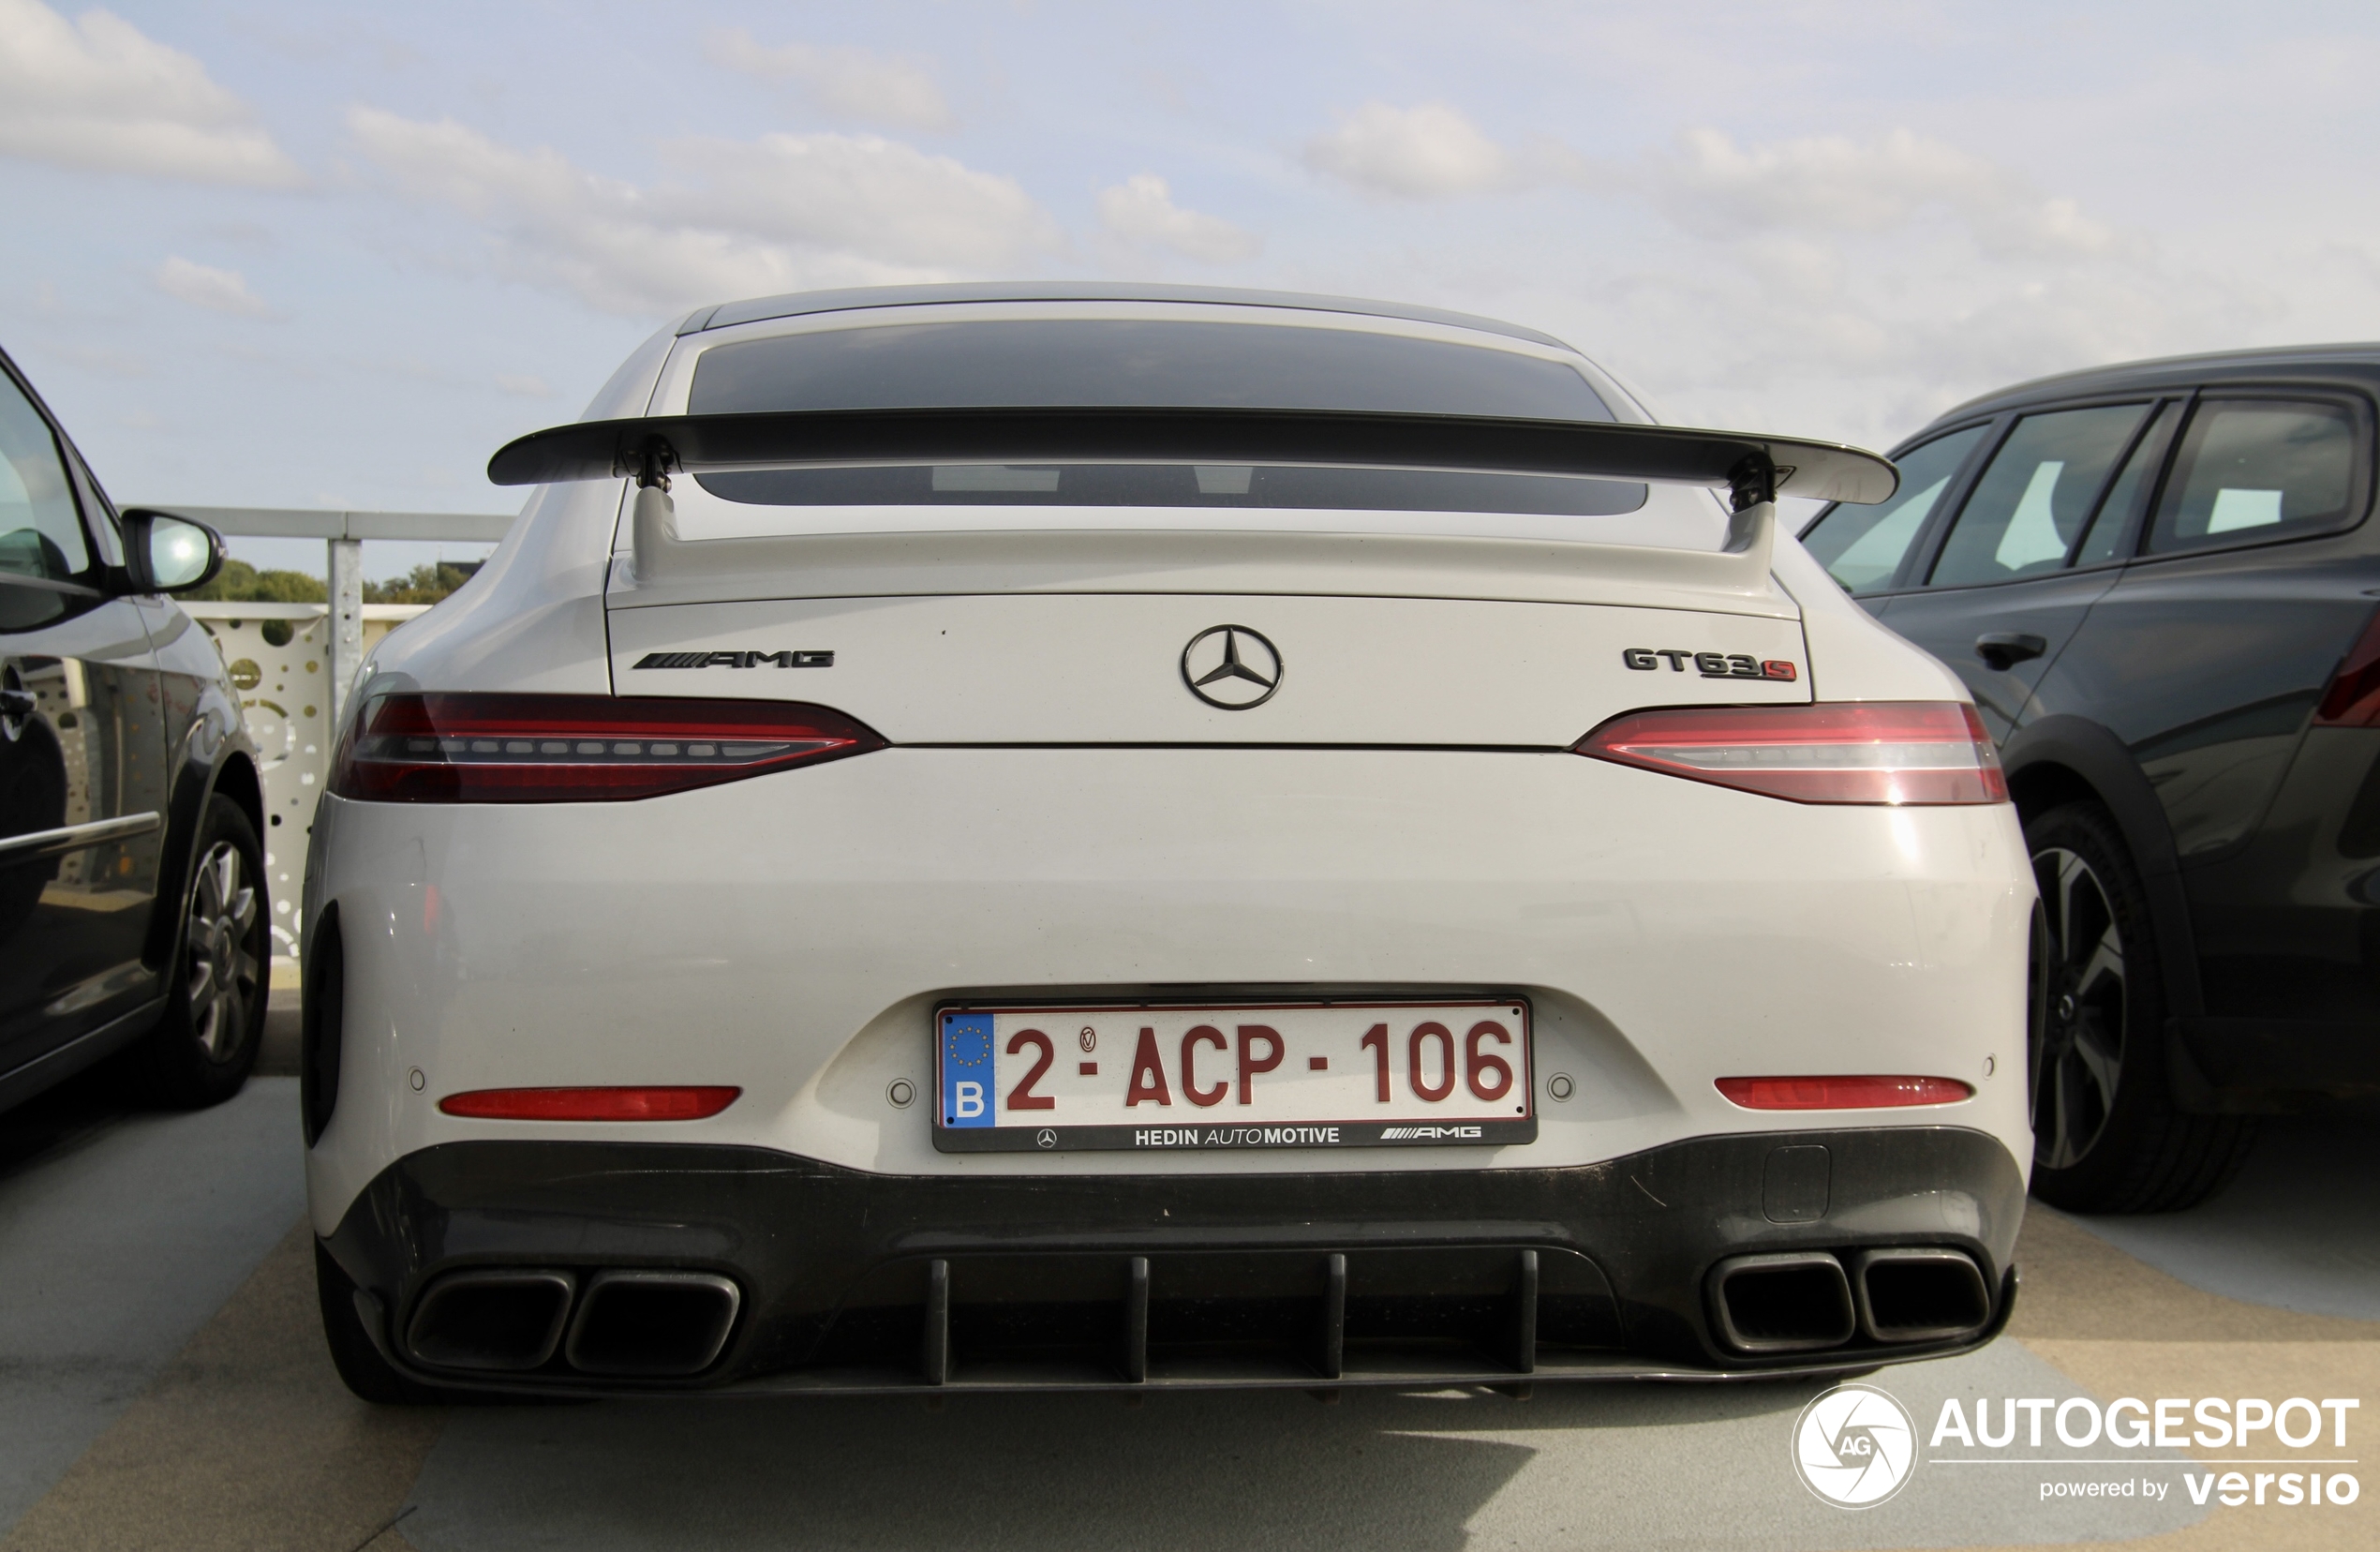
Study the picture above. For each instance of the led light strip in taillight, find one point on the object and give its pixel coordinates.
(679, 1102)
(1848, 752)
(561, 749)
(1841, 1093)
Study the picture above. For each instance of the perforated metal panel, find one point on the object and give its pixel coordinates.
(280, 658)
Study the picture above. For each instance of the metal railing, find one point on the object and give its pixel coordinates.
(294, 663)
(343, 534)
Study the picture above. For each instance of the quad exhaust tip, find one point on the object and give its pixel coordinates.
(1919, 1294)
(496, 1319)
(1795, 1300)
(652, 1323)
(1807, 1300)
(625, 1323)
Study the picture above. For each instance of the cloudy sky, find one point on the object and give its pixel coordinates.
(271, 253)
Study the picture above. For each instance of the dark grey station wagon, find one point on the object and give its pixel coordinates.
(2160, 582)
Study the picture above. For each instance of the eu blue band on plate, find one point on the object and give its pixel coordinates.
(966, 1070)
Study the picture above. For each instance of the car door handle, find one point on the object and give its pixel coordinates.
(2004, 649)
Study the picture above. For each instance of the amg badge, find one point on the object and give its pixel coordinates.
(736, 659)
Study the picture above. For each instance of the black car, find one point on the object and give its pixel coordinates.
(2159, 582)
(133, 917)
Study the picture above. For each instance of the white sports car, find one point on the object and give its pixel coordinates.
(1083, 835)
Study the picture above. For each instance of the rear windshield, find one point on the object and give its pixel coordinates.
(1104, 362)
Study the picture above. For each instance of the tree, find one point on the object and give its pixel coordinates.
(240, 583)
(427, 585)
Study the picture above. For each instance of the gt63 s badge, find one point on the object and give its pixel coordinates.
(1709, 664)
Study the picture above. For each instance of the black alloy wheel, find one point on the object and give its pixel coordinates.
(203, 1049)
(2082, 1054)
(2107, 1137)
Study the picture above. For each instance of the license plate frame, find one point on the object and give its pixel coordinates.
(1092, 1111)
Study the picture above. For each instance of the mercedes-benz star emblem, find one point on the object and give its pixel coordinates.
(1231, 667)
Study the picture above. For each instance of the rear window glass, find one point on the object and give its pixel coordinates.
(1096, 361)
(1117, 361)
(2257, 469)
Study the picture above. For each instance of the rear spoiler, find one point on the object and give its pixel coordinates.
(1752, 468)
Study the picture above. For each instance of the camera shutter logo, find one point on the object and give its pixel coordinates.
(1854, 1446)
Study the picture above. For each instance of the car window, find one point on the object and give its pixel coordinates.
(2032, 500)
(2257, 469)
(2107, 528)
(1862, 547)
(1096, 361)
(1105, 361)
(39, 533)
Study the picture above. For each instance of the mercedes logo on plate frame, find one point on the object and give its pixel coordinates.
(1231, 667)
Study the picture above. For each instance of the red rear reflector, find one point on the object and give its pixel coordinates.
(1847, 752)
(565, 749)
(2352, 699)
(1805, 1094)
(590, 1104)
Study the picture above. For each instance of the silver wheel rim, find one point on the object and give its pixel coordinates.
(2082, 1055)
(222, 972)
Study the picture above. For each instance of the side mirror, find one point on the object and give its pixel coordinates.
(169, 554)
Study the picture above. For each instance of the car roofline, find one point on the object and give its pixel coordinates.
(2121, 374)
(860, 298)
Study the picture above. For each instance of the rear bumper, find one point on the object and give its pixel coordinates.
(852, 1281)
(792, 934)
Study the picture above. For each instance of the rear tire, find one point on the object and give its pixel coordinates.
(2107, 1137)
(201, 1049)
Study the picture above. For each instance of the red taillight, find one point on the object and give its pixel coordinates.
(575, 749)
(2352, 698)
(1802, 1094)
(590, 1104)
(1849, 751)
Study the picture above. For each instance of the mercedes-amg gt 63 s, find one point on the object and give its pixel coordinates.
(994, 837)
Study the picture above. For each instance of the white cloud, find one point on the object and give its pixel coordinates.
(784, 213)
(1140, 210)
(523, 386)
(203, 286)
(854, 82)
(100, 96)
(860, 194)
(1829, 183)
(1420, 152)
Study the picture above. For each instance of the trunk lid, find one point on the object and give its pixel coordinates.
(1063, 667)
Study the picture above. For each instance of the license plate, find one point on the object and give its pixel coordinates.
(1155, 1077)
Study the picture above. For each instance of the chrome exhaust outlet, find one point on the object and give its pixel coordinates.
(1919, 1293)
(652, 1324)
(497, 1320)
(1788, 1301)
